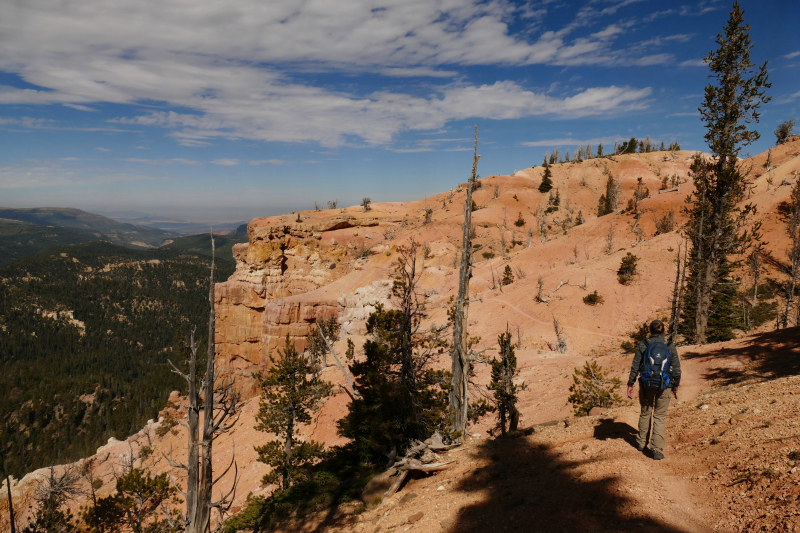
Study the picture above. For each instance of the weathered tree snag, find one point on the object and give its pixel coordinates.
(10, 506)
(459, 400)
(350, 386)
(220, 413)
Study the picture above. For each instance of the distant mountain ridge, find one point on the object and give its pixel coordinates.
(120, 233)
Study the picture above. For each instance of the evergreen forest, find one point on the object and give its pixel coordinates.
(85, 333)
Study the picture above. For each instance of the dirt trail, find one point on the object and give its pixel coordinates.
(728, 466)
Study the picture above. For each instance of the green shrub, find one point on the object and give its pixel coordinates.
(637, 336)
(487, 254)
(593, 299)
(627, 269)
(592, 387)
(520, 221)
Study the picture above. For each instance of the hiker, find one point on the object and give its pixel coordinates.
(659, 367)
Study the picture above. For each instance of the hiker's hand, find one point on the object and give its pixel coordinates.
(675, 392)
(630, 392)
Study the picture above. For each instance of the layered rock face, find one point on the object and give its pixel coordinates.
(260, 304)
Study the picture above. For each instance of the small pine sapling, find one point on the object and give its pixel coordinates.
(627, 269)
(504, 390)
(288, 397)
(592, 387)
(508, 276)
(520, 221)
(547, 180)
(637, 336)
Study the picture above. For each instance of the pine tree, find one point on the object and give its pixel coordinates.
(609, 201)
(504, 390)
(288, 397)
(401, 396)
(716, 220)
(138, 505)
(600, 150)
(547, 181)
(591, 387)
(508, 276)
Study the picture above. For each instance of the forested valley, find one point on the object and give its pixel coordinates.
(85, 332)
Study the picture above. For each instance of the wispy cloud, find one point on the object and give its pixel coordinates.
(685, 114)
(267, 162)
(171, 161)
(231, 79)
(785, 99)
(225, 162)
(792, 55)
(692, 63)
(80, 107)
(102, 149)
(568, 141)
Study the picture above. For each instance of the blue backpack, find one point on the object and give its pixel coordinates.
(655, 367)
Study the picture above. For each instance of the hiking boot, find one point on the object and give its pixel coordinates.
(657, 455)
(641, 448)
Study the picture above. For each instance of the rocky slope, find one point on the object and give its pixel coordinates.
(336, 262)
(284, 281)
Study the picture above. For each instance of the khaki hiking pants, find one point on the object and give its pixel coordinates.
(654, 404)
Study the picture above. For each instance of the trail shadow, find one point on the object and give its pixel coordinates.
(610, 429)
(769, 355)
(530, 487)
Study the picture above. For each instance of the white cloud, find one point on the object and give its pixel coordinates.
(787, 98)
(400, 72)
(225, 162)
(792, 55)
(224, 64)
(574, 142)
(170, 161)
(80, 107)
(267, 162)
(102, 149)
(692, 63)
(686, 114)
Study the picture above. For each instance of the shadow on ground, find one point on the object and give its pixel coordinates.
(530, 487)
(769, 355)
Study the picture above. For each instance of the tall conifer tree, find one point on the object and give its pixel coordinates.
(716, 221)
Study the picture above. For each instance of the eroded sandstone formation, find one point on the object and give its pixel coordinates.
(262, 302)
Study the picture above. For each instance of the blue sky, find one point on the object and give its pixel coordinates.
(212, 111)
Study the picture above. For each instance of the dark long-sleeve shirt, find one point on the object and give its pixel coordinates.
(638, 359)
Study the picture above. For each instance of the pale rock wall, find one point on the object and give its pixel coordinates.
(258, 306)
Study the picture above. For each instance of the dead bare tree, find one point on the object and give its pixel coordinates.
(496, 191)
(459, 400)
(543, 299)
(677, 296)
(542, 226)
(793, 229)
(220, 414)
(530, 237)
(428, 211)
(610, 239)
(560, 338)
(11, 518)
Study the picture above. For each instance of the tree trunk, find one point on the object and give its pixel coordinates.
(675, 314)
(459, 400)
(193, 465)
(206, 465)
(10, 506)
